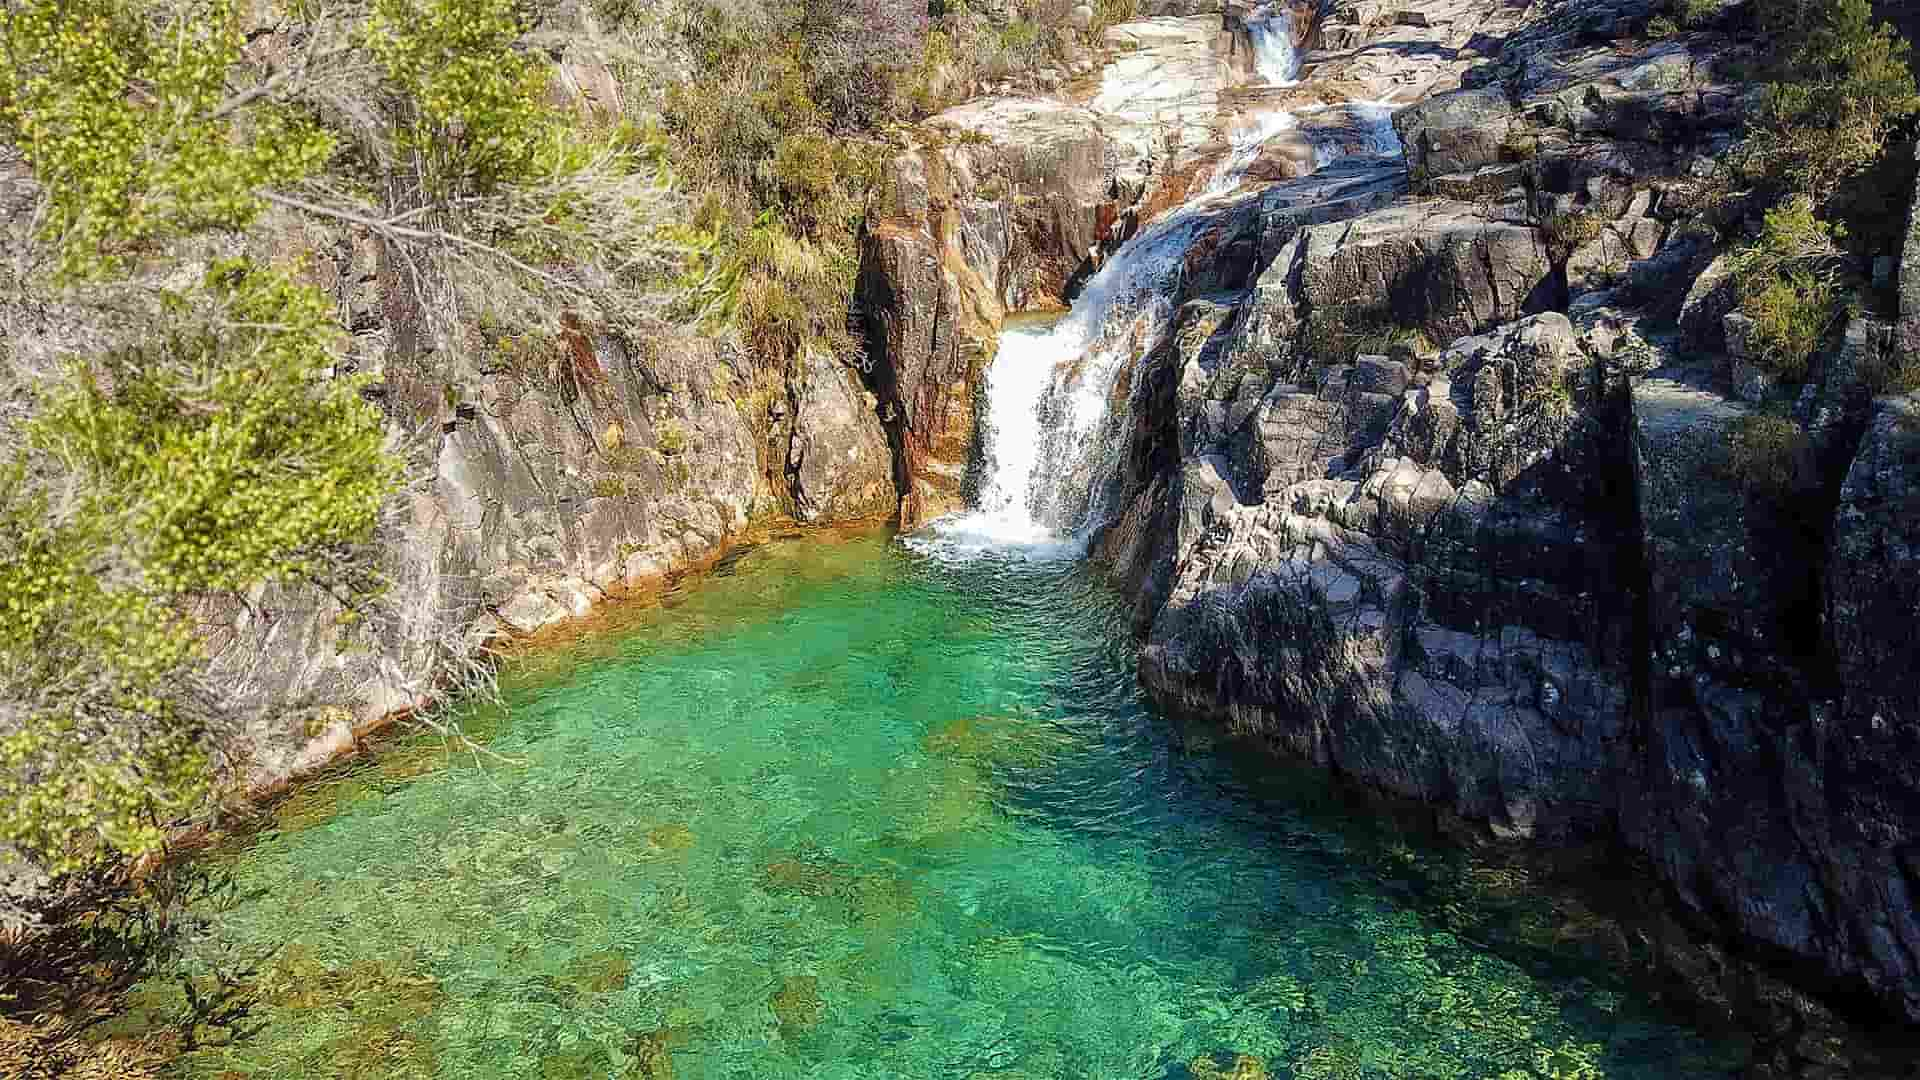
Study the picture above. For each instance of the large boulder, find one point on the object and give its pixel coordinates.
(1401, 574)
(838, 462)
(1440, 268)
(1456, 132)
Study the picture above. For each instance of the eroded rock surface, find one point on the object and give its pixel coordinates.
(1471, 495)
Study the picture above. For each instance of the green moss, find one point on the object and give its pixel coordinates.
(1764, 453)
(797, 1003)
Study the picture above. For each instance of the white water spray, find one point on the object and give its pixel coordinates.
(1047, 394)
(1371, 135)
(1050, 389)
(1274, 58)
(1244, 147)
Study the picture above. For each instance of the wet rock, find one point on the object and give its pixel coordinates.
(671, 837)
(838, 458)
(797, 1004)
(651, 1055)
(1236, 1067)
(598, 973)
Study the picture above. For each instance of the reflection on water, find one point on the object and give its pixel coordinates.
(842, 810)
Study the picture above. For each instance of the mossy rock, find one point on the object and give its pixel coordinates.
(802, 877)
(797, 1004)
(651, 1056)
(600, 972)
(1235, 1067)
(673, 837)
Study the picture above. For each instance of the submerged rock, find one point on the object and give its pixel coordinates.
(797, 1003)
(1237, 1067)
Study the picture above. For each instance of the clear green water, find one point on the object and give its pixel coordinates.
(840, 810)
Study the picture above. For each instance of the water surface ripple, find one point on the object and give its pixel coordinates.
(844, 810)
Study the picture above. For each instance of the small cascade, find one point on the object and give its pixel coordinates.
(1275, 59)
(1048, 393)
(1367, 132)
(1055, 394)
(1245, 145)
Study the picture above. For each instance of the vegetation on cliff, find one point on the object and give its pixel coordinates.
(208, 434)
(212, 433)
(1831, 149)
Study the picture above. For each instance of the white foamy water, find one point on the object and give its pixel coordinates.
(1047, 395)
(1051, 442)
(1374, 119)
(1022, 372)
(1245, 144)
(1274, 58)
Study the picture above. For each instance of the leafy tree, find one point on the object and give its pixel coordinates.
(1844, 80)
(209, 441)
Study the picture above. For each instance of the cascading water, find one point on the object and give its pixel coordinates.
(1368, 132)
(1274, 58)
(1051, 388)
(1047, 393)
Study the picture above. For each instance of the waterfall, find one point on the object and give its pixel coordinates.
(1048, 393)
(1049, 438)
(1370, 132)
(1244, 146)
(1274, 57)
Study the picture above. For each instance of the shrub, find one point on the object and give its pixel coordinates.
(478, 117)
(1841, 82)
(1337, 335)
(222, 457)
(124, 171)
(1764, 453)
(1108, 13)
(1784, 283)
(670, 438)
(1569, 232)
(858, 52)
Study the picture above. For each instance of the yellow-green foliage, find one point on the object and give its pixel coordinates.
(1783, 285)
(67, 785)
(218, 449)
(227, 448)
(1842, 82)
(1108, 13)
(216, 458)
(121, 116)
(480, 119)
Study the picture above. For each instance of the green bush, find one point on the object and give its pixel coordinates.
(222, 457)
(126, 170)
(1841, 82)
(1569, 232)
(1764, 454)
(1784, 282)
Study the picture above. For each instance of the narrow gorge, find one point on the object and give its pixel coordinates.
(1296, 563)
(1402, 479)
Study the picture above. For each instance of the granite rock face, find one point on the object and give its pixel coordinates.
(1473, 496)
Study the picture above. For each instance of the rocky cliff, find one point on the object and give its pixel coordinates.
(1450, 473)
(547, 473)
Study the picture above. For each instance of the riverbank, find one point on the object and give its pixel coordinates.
(851, 804)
